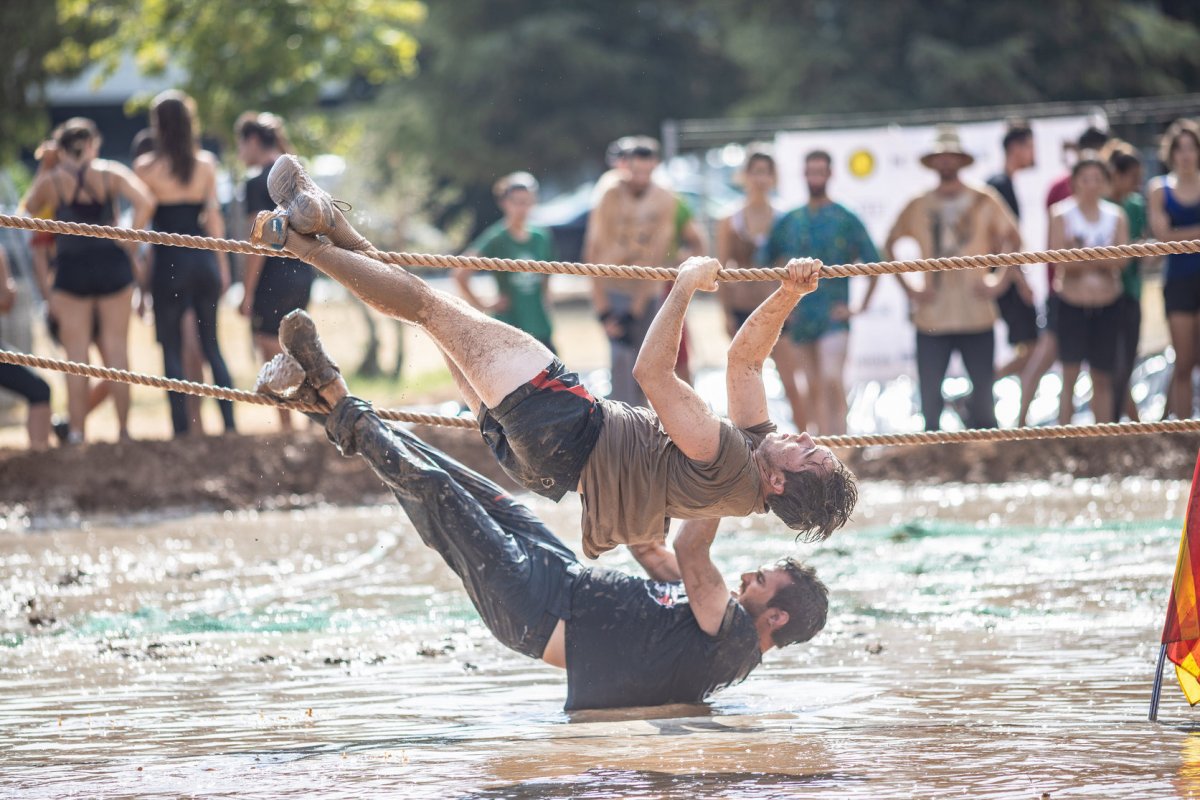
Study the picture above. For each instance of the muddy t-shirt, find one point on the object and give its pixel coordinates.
(636, 478)
(634, 642)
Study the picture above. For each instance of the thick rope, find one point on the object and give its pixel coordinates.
(867, 440)
(206, 390)
(619, 271)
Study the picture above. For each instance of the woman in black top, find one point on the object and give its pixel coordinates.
(273, 285)
(183, 179)
(93, 278)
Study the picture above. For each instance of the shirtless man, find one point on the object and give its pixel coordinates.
(632, 222)
(623, 641)
(633, 468)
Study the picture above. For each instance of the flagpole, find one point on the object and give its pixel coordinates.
(1158, 673)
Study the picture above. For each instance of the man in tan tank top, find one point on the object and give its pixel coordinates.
(634, 469)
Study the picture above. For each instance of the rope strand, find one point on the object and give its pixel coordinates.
(866, 440)
(616, 270)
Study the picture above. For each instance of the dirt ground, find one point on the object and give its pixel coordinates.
(280, 471)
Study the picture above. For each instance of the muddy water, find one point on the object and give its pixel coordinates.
(983, 642)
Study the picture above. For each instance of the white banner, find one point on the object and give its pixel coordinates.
(876, 171)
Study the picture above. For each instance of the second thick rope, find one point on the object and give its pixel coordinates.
(866, 440)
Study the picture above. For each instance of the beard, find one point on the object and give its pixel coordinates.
(817, 191)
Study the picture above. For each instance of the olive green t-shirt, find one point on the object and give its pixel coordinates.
(1135, 209)
(524, 291)
(636, 479)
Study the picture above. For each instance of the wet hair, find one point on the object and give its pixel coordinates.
(819, 155)
(173, 120)
(266, 127)
(514, 181)
(806, 601)
(75, 134)
(143, 142)
(1017, 133)
(815, 504)
(1170, 141)
(1093, 139)
(1090, 160)
(758, 154)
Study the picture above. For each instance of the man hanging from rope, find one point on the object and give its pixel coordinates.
(634, 468)
(623, 641)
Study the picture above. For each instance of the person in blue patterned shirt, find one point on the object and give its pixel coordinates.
(820, 326)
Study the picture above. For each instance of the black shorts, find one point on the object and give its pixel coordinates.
(1019, 316)
(100, 272)
(1089, 334)
(543, 432)
(1051, 320)
(1181, 294)
(518, 574)
(281, 289)
(23, 381)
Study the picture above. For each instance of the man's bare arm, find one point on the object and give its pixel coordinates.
(754, 341)
(707, 593)
(685, 417)
(657, 560)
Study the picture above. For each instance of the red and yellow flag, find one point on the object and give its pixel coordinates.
(1181, 633)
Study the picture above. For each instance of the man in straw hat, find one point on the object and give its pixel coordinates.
(955, 310)
(633, 468)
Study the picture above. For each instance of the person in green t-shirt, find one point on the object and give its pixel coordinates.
(522, 295)
(1126, 169)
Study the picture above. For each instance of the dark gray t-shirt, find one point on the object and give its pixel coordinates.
(634, 642)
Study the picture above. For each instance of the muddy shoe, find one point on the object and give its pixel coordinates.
(299, 339)
(310, 208)
(282, 377)
(270, 229)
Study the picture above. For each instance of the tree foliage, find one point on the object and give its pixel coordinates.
(275, 54)
(32, 52)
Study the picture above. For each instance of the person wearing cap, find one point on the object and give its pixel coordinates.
(521, 300)
(633, 222)
(955, 310)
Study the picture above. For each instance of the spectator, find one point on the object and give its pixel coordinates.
(521, 296)
(272, 286)
(1125, 191)
(820, 325)
(1045, 353)
(1089, 292)
(1016, 304)
(633, 222)
(1174, 211)
(741, 239)
(20, 380)
(93, 278)
(955, 310)
(183, 179)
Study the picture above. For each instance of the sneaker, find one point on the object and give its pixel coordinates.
(309, 207)
(61, 428)
(270, 229)
(283, 378)
(299, 339)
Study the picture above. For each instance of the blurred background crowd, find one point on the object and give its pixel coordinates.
(631, 133)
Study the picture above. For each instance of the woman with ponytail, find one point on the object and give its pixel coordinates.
(93, 278)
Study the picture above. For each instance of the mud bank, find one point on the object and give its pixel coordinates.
(301, 470)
